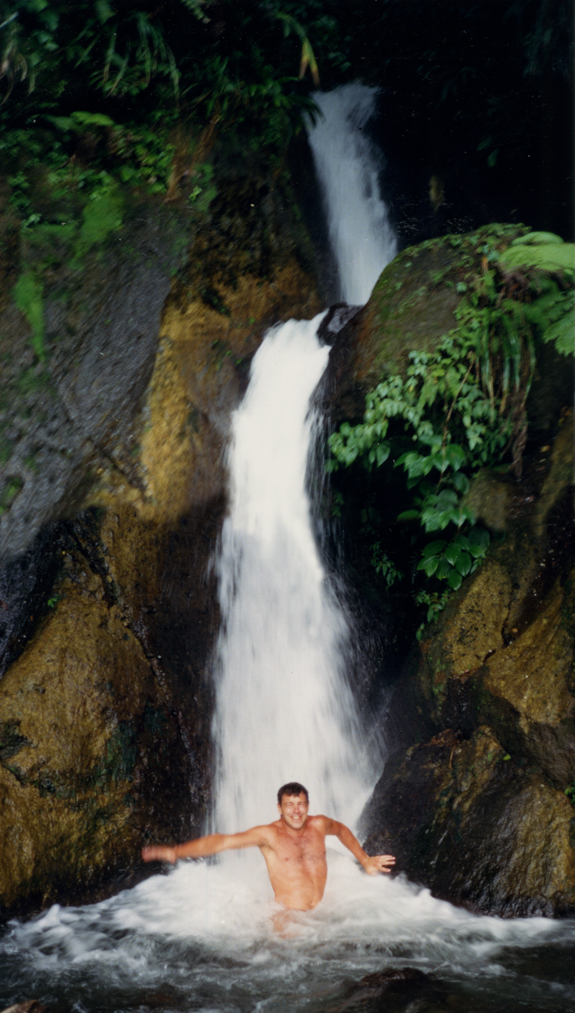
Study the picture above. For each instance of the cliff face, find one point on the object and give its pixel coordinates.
(109, 609)
(476, 809)
(473, 799)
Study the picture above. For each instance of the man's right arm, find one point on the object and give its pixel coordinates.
(201, 847)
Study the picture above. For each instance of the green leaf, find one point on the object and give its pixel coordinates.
(443, 569)
(429, 564)
(562, 333)
(452, 554)
(408, 515)
(463, 564)
(461, 482)
(103, 10)
(461, 541)
(433, 548)
(478, 538)
(456, 456)
(454, 579)
(537, 238)
(382, 453)
(547, 257)
(92, 119)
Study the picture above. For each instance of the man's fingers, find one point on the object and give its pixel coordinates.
(380, 863)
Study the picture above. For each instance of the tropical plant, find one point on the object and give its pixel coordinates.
(462, 406)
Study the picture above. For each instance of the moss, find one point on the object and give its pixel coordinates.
(31, 380)
(9, 492)
(28, 296)
(102, 215)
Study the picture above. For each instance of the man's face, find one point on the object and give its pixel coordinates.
(293, 810)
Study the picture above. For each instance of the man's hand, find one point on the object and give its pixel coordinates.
(379, 863)
(159, 852)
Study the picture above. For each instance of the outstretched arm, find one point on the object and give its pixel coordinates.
(203, 846)
(373, 864)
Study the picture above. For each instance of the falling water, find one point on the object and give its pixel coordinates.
(201, 938)
(348, 167)
(284, 709)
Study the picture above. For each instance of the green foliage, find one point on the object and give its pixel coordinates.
(28, 296)
(440, 399)
(384, 566)
(204, 189)
(549, 265)
(435, 601)
(570, 792)
(101, 216)
(460, 408)
(453, 561)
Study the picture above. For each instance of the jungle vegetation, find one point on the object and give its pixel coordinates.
(127, 87)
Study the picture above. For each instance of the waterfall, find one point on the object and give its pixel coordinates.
(348, 165)
(284, 708)
(201, 937)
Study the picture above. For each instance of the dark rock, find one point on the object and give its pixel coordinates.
(406, 983)
(65, 417)
(478, 828)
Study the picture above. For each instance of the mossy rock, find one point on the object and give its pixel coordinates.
(412, 307)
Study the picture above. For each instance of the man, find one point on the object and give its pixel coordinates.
(293, 848)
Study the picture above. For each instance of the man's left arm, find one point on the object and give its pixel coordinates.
(372, 864)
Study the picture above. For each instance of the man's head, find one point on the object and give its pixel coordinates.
(292, 788)
(293, 804)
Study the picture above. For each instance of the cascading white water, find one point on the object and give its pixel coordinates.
(284, 710)
(348, 166)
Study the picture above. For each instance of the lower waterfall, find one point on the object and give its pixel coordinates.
(284, 709)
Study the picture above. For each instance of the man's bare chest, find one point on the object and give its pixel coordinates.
(305, 852)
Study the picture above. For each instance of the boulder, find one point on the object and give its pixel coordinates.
(478, 827)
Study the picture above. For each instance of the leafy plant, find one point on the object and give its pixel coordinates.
(384, 566)
(435, 601)
(461, 407)
(454, 560)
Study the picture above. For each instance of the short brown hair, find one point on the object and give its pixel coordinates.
(292, 788)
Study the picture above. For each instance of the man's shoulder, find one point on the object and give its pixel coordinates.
(320, 822)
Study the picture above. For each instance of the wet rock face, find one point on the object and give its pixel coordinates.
(70, 411)
(477, 810)
(477, 826)
(109, 616)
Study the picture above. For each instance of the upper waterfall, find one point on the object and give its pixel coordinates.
(347, 165)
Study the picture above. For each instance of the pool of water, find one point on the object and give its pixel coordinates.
(202, 939)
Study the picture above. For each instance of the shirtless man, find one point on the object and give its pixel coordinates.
(293, 848)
